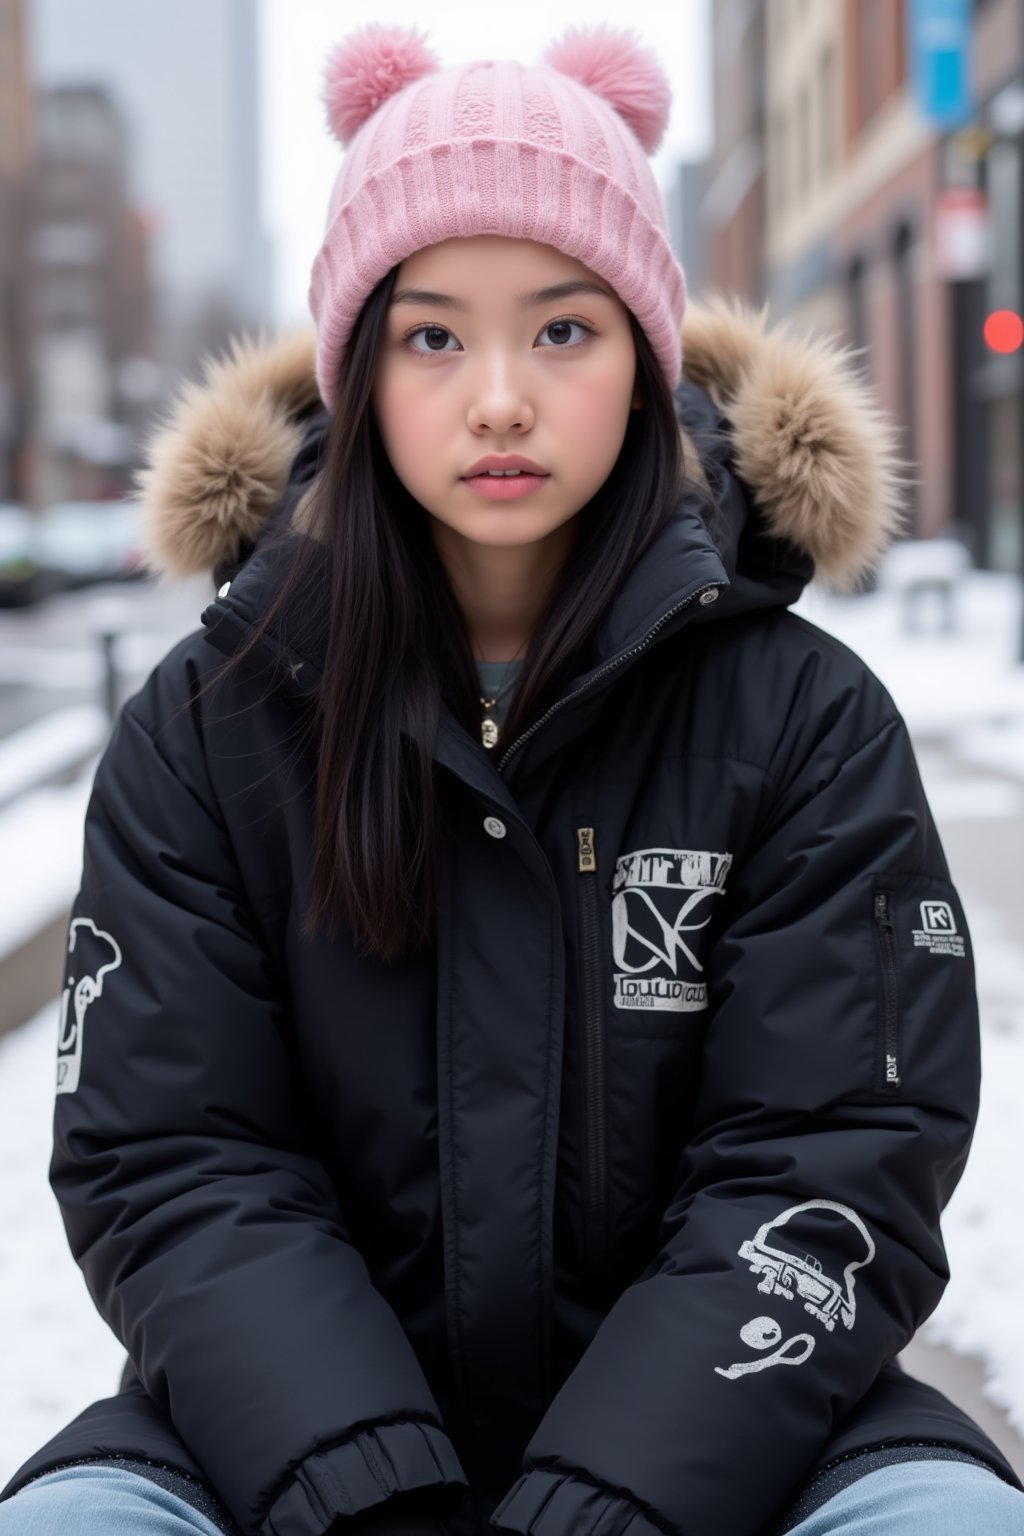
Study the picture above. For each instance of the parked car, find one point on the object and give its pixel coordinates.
(83, 542)
(22, 580)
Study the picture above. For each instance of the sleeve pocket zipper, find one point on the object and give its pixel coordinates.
(888, 1052)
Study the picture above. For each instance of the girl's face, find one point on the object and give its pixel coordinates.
(474, 361)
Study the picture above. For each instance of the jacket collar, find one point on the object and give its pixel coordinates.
(800, 465)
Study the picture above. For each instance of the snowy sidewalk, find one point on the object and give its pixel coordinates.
(964, 689)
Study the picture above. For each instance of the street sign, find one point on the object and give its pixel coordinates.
(939, 44)
(963, 243)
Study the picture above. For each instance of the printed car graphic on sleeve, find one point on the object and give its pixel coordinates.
(795, 1274)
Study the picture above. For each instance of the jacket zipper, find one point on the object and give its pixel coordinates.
(889, 1063)
(698, 593)
(591, 985)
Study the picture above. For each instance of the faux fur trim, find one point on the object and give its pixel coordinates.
(816, 453)
(216, 467)
(811, 444)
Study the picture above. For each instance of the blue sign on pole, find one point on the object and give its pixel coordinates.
(939, 44)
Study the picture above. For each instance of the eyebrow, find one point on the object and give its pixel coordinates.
(523, 300)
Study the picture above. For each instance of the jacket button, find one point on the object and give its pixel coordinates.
(224, 590)
(710, 596)
(494, 825)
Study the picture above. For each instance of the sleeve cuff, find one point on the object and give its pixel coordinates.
(550, 1503)
(362, 1472)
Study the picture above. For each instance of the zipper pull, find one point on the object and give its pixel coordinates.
(587, 851)
(881, 907)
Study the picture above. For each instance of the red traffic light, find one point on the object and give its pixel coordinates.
(1004, 331)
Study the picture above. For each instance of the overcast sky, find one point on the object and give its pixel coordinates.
(301, 159)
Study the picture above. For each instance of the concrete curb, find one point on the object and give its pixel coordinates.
(33, 973)
(962, 1378)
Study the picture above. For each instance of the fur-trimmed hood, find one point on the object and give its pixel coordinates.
(809, 445)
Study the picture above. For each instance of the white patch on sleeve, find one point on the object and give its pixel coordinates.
(937, 932)
(95, 953)
(789, 1267)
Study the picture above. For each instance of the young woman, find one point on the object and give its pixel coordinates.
(519, 1032)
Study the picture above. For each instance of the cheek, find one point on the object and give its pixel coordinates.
(599, 413)
(406, 418)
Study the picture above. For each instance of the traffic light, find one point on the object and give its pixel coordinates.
(1003, 331)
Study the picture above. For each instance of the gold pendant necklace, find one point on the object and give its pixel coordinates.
(488, 727)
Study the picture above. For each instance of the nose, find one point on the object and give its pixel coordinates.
(499, 400)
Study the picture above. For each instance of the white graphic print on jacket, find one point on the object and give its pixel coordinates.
(793, 1270)
(95, 953)
(659, 896)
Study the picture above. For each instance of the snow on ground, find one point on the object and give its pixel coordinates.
(946, 686)
(58, 1354)
(50, 746)
(980, 1311)
(40, 857)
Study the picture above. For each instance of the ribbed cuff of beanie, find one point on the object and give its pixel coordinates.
(501, 187)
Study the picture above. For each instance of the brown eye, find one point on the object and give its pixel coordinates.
(436, 333)
(563, 341)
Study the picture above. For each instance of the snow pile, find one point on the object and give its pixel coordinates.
(41, 857)
(980, 1311)
(965, 687)
(54, 745)
(58, 1354)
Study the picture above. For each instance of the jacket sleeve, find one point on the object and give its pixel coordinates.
(208, 1231)
(801, 1249)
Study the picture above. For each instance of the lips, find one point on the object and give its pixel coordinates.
(504, 487)
(503, 461)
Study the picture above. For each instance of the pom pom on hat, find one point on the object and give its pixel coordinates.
(367, 67)
(615, 66)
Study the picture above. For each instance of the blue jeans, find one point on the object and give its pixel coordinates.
(911, 1498)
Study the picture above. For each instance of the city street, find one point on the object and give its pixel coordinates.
(52, 654)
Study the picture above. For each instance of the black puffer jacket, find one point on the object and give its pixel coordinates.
(618, 1205)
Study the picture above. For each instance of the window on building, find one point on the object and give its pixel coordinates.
(805, 137)
(67, 244)
(903, 252)
(778, 164)
(67, 301)
(855, 288)
(826, 112)
(870, 45)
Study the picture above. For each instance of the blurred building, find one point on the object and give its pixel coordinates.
(15, 141)
(836, 197)
(131, 237)
(732, 213)
(683, 201)
(854, 173)
(986, 157)
(86, 292)
(183, 75)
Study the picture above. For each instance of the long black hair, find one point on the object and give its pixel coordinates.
(398, 643)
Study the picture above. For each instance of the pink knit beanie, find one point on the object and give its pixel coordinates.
(554, 152)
